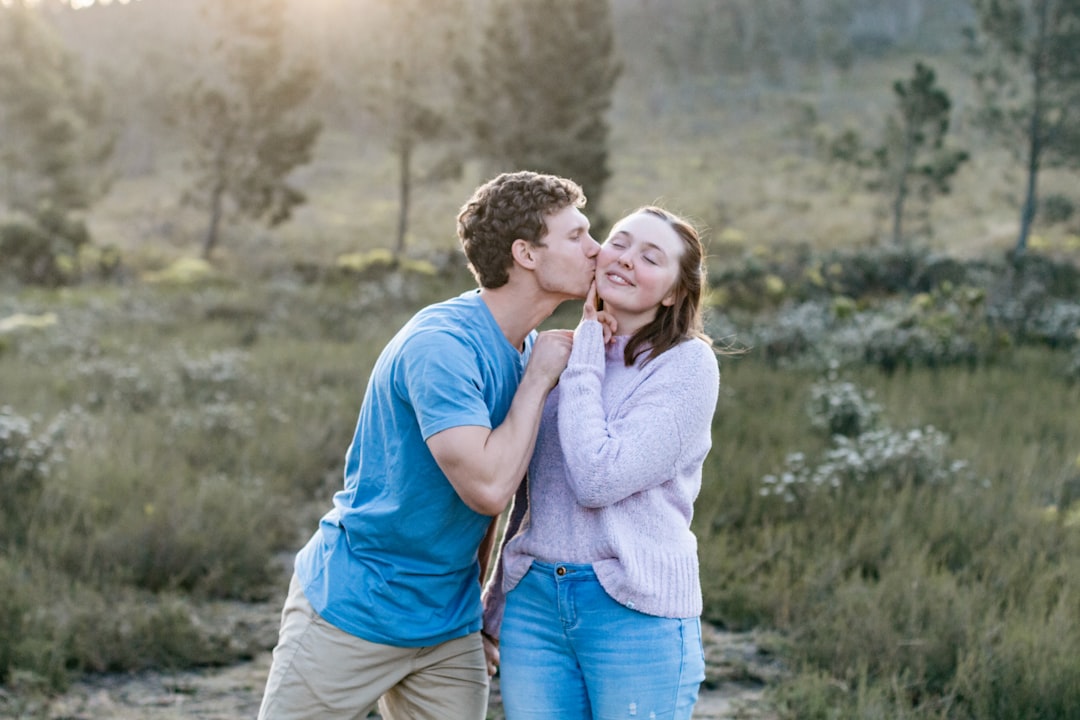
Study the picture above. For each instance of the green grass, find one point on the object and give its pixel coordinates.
(201, 430)
(921, 601)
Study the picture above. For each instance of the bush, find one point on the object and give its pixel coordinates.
(841, 408)
(939, 329)
(876, 459)
(1072, 369)
(15, 605)
(25, 461)
(52, 628)
(1057, 324)
(1056, 208)
(28, 254)
(795, 332)
(45, 251)
(886, 270)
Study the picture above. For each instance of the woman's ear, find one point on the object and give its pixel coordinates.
(672, 296)
(522, 252)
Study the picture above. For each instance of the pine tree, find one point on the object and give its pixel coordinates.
(405, 89)
(1032, 86)
(246, 118)
(55, 138)
(537, 96)
(913, 157)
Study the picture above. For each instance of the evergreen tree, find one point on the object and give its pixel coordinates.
(405, 89)
(911, 160)
(55, 139)
(537, 96)
(245, 116)
(1032, 86)
(913, 157)
(55, 145)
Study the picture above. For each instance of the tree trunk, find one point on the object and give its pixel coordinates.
(906, 164)
(898, 211)
(1038, 71)
(211, 239)
(404, 190)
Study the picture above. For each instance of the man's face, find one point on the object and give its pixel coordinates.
(567, 261)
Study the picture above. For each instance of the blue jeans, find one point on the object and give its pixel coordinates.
(568, 651)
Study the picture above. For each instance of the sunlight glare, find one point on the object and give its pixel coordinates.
(80, 4)
(74, 4)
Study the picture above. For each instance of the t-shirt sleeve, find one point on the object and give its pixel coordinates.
(440, 376)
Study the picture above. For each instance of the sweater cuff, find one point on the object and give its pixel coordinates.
(588, 350)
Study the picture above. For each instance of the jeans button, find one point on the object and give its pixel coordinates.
(560, 570)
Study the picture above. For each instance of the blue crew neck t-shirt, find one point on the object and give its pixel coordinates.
(394, 561)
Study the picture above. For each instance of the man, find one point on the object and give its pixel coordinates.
(384, 604)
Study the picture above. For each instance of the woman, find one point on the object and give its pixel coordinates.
(598, 576)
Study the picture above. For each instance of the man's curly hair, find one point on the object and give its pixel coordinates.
(505, 208)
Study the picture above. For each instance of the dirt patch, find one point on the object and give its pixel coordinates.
(737, 673)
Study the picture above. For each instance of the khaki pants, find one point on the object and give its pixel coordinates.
(320, 671)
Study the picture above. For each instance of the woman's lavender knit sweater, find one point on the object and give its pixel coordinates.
(614, 476)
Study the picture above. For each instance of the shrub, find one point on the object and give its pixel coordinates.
(15, 604)
(1056, 208)
(885, 270)
(126, 386)
(28, 254)
(52, 628)
(1057, 324)
(878, 458)
(215, 377)
(44, 251)
(899, 347)
(25, 461)
(1072, 368)
(214, 539)
(794, 332)
(102, 635)
(186, 271)
(841, 408)
(938, 329)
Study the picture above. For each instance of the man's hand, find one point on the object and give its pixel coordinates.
(589, 312)
(491, 654)
(550, 353)
(486, 466)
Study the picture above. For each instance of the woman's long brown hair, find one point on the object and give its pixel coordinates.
(683, 318)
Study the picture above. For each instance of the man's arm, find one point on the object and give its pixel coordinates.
(486, 466)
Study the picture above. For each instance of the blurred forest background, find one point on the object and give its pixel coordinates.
(214, 214)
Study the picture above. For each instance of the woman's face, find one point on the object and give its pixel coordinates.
(637, 269)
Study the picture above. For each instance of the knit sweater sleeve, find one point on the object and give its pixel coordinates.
(637, 444)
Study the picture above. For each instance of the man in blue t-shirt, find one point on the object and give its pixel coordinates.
(384, 604)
